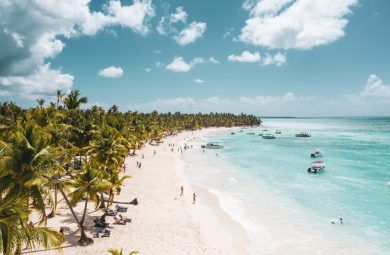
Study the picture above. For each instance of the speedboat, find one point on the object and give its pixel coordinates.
(303, 134)
(316, 166)
(213, 145)
(316, 154)
(269, 136)
(278, 132)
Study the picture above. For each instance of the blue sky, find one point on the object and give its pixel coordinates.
(267, 57)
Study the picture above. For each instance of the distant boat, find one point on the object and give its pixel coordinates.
(316, 154)
(250, 133)
(241, 130)
(303, 134)
(269, 136)
(278, 132)
(316, 167)
(232, 133)
(265, 130)
(213, 145)
(260, 134)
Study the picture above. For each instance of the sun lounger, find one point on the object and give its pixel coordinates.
(101, 233)
(124, 218)
(111, 212)
(119, 222)
(121, 208)
(100, 224)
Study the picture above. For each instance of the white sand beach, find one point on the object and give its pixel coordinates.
(163, 222)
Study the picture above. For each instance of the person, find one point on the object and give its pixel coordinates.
(143, 155)
(341, 220)
(31, 224)
(62, 230)
(216, 154)
(193, 198)
(154, 152)
(139, 165)
(181, 190)
(124, 167)
(203, 151)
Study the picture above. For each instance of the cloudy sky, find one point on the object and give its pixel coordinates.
(266, 57)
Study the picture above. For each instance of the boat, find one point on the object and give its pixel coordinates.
(265, 130)
(303, 134)
(213, 145)
(232, 133)
(278, 132)
(250, 133)
(316, 167)
(316, 154)
(269, 136)
(260, 134)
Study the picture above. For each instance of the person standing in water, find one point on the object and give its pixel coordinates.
(194, 198)
(181, 191)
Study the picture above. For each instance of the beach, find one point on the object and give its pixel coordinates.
(163, 222)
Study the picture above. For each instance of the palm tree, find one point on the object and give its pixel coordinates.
(26, 164)
(72, 103)
(87, 186)
(107, 150)
(41, 102)
(120, 252)
(115, 184)
(15, 231)
(59, 95)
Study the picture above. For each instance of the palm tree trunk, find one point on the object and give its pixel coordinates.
(53, 211)
(108, 205)
(102, 204)
(85, 212)
(84, 239)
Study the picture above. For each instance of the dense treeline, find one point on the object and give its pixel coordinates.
(77, 153)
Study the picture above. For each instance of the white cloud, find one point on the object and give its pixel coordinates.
(375, 87)
(199, 81)
(111, 72)
(148, 70)
(191, 33)
(31, 32)
(179, 16)
(212, 60)
(295, 24)
(245, 56)
(278, 59)
(178, 64)
(42, 82)
(228, 33)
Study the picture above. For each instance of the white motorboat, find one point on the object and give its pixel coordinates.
(213, 145)
(303, 134)
(316, 154)
(316, 167)
(269, 136)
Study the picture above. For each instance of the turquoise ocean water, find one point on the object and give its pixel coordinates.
(252, 173)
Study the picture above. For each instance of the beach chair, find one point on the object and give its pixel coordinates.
(118, 221)
(101, 233)
(100, 224)
(111, 212)
(124, 218)
(121, 208)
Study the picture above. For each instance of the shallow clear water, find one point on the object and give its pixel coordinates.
(353, 185)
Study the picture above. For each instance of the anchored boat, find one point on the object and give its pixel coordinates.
(213, 145)
(303, 134)
(316, 154)
(316, 167)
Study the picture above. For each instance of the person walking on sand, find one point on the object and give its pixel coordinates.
(181, 190)
(124, 168)
(193, 198)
